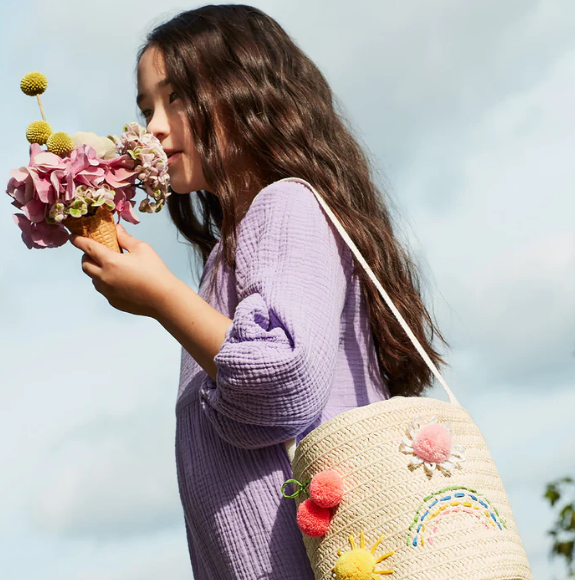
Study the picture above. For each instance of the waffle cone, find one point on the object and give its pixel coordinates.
(99, 227)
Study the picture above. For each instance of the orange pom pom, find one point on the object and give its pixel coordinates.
(312, 519)
(326, 488)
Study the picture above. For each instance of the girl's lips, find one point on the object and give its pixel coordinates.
(174, 157)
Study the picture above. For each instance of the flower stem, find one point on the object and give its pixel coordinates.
(41, 107)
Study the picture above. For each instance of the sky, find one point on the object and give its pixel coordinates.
(467, 111)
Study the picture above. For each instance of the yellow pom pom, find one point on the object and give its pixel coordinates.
(60, 143)
(356, 564)
(34, 83)
(359, 563)
(38, 132)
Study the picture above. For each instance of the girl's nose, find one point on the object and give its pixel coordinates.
(158, 125)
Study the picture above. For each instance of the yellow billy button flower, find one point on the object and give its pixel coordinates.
(60, 143)
(38, 132)
(34, 83)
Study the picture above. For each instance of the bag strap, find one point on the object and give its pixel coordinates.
(370, 273)
(291, 443)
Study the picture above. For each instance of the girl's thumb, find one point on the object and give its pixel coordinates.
(126, 240)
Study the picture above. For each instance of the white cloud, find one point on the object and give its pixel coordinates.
(110, 479)
(168, 561)
(104, 371)
(503, 256)
(517, 312)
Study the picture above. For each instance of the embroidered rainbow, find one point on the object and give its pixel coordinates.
(451, 500)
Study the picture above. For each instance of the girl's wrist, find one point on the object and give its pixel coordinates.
(168, 290)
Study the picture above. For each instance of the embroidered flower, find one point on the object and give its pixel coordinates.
(430, 444)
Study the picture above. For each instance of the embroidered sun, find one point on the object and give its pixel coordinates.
(359, 563)
(430, 444)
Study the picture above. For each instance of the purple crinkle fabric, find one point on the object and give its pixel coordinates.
(299, 352)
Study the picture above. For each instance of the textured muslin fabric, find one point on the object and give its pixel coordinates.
(298, 352)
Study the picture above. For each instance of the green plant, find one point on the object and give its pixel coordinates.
(563, 530)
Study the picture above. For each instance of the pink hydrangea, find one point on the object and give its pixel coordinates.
(51, 188)
(151, 164)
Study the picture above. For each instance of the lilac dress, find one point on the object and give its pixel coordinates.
(299, 352)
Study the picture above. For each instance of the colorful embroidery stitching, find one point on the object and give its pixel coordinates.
(471, 502)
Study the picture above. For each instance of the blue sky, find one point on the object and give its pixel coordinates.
(468, 112)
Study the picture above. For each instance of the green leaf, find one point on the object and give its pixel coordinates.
(564, 549)
(566, 512)
(552, 494)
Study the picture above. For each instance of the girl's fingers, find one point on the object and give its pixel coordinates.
(89, 266)
(95, 250)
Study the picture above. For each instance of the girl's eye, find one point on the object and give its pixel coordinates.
(147, 112)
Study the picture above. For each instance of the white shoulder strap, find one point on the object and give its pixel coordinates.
(290, 445)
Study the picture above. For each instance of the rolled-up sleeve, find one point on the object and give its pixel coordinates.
(277, 363)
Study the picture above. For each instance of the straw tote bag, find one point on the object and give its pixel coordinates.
(404, 487)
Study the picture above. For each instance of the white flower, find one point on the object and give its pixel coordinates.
(151, 163)
(105, 148)
(430, 444)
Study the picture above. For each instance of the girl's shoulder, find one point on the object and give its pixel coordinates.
(286, 219)
(285, 196)
(281, 191)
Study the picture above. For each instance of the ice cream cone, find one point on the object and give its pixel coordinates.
(99, 227)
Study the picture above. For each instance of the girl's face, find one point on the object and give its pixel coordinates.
(166, 118)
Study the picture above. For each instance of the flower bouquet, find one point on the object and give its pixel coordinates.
(78, 182)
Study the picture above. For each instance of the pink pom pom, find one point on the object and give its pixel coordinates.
(312, 519)
(326, 488)
(433, 443)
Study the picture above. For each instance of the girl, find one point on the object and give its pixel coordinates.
(289, 332)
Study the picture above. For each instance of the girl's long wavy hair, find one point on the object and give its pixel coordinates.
(241, 74)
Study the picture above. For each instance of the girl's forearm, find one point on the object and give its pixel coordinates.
(196, 325)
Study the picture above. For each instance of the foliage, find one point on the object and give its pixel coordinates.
(563, 530)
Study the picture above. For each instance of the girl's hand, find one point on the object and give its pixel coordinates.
(135, 282)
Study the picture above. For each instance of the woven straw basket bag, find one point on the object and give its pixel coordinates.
(404, 487)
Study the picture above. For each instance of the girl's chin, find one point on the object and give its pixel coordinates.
(180, 183)
(180, 191)
(178, 186)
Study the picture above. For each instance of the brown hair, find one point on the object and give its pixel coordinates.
(280, 121)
